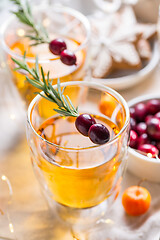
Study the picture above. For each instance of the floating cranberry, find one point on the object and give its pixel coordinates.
(140, 111)
(153, 106)
(132, 112)
(84, 122)
(149, 148)
(56, 46)
(157, 115)
(141, 128)
(153, 128)
(143, 139)
(68, 57)
(133, 123)
(99, 134)
(148, 117)
(133, 139)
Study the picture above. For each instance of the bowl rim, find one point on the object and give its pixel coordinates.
(131, 103)
(128, 81)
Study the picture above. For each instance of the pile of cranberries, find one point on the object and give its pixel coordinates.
(59, 47)
(145, 127)
(88, 127)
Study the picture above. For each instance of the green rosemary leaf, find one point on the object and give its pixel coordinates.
(63, 90)
(24, 14)
(42, 28)
(62, 112)
(34, 83)
(24, 55)
(71, 104)
(52, 96)
(37, 43)
(15, 2)
(36, 73)
(47, 98)
(59, 88)
(20, 17)
(37, 67)
(19, 63)
(64, 104)
(33, 37)
(28, 8)
(54, 91)
(48, 77)
(51, 81)
(43, 78)
(16, 69)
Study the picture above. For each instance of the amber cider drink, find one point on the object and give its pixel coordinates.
(76, 185)
(50, 63)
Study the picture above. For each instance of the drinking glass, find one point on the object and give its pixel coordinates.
(6, 196)
(78, 178)
(60, 22)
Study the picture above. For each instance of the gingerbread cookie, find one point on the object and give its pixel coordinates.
(119, 42)
(144, 49)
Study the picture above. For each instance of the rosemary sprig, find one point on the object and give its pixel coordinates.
(64, 104)
(24, 14)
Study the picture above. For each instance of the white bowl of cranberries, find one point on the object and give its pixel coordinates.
(144, 147)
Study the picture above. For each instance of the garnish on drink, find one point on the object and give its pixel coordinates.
(39, 35)
(85, 123)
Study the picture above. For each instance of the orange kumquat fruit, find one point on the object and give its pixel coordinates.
(136, 200)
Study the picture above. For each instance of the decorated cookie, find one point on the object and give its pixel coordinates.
(119, 42)
(144, 49)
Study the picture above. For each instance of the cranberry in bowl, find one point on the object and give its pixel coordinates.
(144, 149)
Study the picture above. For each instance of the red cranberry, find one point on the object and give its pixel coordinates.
(153, 142)
(153, 128)
(68, 57)
(99, 134)
(132, 112)
(56, 46)
(148, 117)
(158, 145)
(157, 115)
(133, 123)
(84, 122)
(141, 128)
(143, 139)
(153, 106)
(149, 148)
(140, 111)
(133, 139)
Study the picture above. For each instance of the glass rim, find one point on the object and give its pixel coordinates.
(78, 15)
(89, 84)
